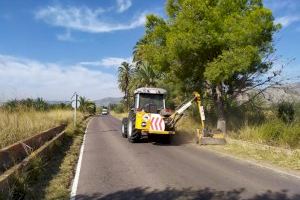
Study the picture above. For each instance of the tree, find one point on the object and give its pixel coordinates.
(145, 76)
(83, 101)
(217, 46)
(87, 106)
(124, 78)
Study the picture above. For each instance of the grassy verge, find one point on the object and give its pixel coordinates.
(274, 133)
(59, 186)
(20, 124)
(119, 116)
(277, 156)
(256, 143)
(50, 177)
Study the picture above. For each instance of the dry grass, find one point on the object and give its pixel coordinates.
(255, 149)
(59, 186)
(50, 176)
(277, 156)
(119, 116)
(18, 125)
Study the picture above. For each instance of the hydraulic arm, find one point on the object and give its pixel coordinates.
(176, 116)
(204, 136)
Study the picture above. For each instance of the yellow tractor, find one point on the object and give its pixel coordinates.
(149, 116)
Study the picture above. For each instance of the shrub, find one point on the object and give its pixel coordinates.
(274, 132)
(119, 108)
(286, 112)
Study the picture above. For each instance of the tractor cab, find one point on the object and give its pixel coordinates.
(150, 100)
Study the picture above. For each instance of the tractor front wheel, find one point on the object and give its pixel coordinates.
(132, 133)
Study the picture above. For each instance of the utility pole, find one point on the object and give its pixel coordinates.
(75, 105)
(75, 116)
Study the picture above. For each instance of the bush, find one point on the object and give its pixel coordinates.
(119, 108)
(274, 132)
(286, 112)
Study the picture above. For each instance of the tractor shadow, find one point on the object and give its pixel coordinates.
(187, 193)
(179, 139)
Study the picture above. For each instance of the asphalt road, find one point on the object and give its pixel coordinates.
(113, 168)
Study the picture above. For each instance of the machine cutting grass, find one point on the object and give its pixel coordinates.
(150, 117)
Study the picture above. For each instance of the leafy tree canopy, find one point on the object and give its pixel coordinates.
(216, 45)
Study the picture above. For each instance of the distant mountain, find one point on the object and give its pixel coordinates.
(108, 100)
(288, 92)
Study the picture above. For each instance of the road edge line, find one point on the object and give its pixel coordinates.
(255, 163)
(78, 166)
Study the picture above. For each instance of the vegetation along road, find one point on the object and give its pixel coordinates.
(113, 168)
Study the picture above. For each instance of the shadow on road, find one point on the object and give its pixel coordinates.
(186, 193)
(180, 138)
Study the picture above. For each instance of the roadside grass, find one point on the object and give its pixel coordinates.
(22, 123)
(285, 158)
(272, 142)
(273, 132)
(119, 116)
(50, 176)
(63, 167)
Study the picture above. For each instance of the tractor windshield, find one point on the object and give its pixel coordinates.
(154, 99)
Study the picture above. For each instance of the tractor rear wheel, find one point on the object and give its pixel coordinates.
(133, 134)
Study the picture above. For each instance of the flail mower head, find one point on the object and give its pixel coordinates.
(207, 137)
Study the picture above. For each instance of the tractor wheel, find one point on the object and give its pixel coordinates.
(124, 127)
(132, 134)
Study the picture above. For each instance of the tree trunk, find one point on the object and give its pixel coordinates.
(219, 102)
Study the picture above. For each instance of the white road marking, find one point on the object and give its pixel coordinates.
(78, 167)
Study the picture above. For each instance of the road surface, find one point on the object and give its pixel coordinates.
(113, 168)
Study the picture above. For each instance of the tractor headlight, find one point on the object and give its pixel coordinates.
(144, 124)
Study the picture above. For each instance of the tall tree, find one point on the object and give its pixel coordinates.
(124, 78)
(86, 105)
(216, 45)
(145, 75)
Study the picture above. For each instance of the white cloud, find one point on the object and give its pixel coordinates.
(66, 36)
(84, 19)
(107, 62)
(123, 5)
(287, 20)
(22, 78)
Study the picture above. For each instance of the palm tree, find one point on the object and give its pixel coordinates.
(90, 107)
(83, 101)
(138, 51)
(86, 105)
(125, 72)
(146, 75)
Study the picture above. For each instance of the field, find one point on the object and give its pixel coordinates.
(22, 123)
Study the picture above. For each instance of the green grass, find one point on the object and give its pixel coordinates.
(273, 132)
(22, 123)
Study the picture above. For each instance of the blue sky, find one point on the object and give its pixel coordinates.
(52, 48)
